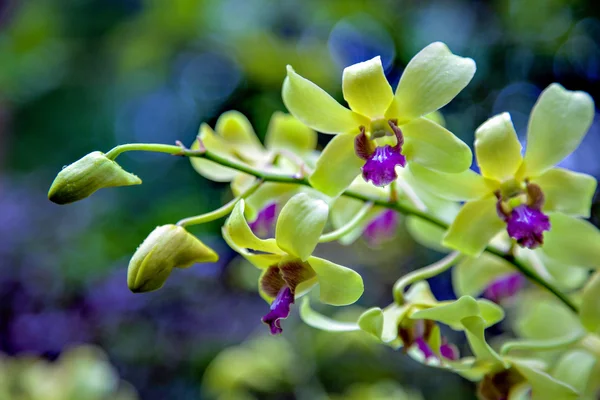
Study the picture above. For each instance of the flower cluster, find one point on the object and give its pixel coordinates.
(391, 161)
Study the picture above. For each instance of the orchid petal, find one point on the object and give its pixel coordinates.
(237, 131)
(430, 81)
(558, 122)
(474, 274)
(590, 305)
(216, 144)
(567, 191)
(466, 185)
(434, 147)
(474, 227)
(317, 109)
(544, 386)
(260, 261)
(240, 233)
(300, 225)
(475, 330)
(497, 148)
(572, 241)
(366, 88)
(319, 321)
(337, 166)
(339, 286)
(575, 368)
(287, 133)
(453, 312)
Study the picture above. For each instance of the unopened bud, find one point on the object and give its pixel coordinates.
(167, 247)
(82, 178)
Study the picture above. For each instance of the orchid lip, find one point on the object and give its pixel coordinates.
(526, 225)
(380, 162)
(280, 309)
(381, 228)
(504, 287)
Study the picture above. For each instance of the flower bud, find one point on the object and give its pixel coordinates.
(82, 178)
(167, 247)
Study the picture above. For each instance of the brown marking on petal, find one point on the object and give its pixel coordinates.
(294, 272)
(428, 326)
(362, 145)
(535, 196)
(393, 123)
(271, 281)
(497, 386)
(501, 208)
(406, 334)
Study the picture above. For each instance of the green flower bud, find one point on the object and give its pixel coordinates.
(82, 178)
(167, 247)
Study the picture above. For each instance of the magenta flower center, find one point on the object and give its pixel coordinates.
(526, 225)
(380, 162)
(380, 168)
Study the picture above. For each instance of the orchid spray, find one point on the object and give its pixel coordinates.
(516, 227)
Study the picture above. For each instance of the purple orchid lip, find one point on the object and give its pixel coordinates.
(280, 309)
(380, 162)
(420, 333)
(526, 225)
(449, 351)
(380, 168)
(264, 224)
(424, 348)
(381, 228)
(504, 287)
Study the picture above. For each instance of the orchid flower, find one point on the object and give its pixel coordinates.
(289, 268)
(526, 195)
(383, 129)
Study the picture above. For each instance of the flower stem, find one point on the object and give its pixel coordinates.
(156, 148)
(424, 273)
(338, 233)
(283, 178)
(542, 345)
(221, 211)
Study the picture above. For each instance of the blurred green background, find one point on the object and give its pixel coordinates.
(84, 75)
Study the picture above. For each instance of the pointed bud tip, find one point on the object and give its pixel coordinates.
(85, 176)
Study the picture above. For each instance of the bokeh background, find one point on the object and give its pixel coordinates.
(84, 75)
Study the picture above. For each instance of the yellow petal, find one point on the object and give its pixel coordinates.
(366, 88)
(497, 148)
(558, 122)
(314, 107)
(285, 132)
(431, 79)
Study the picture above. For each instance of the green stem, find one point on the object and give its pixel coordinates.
(542, 345)
(534, 277)
(424, 273)
(156, 148)
(283, 178)
(221, 211)
(338, 233)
